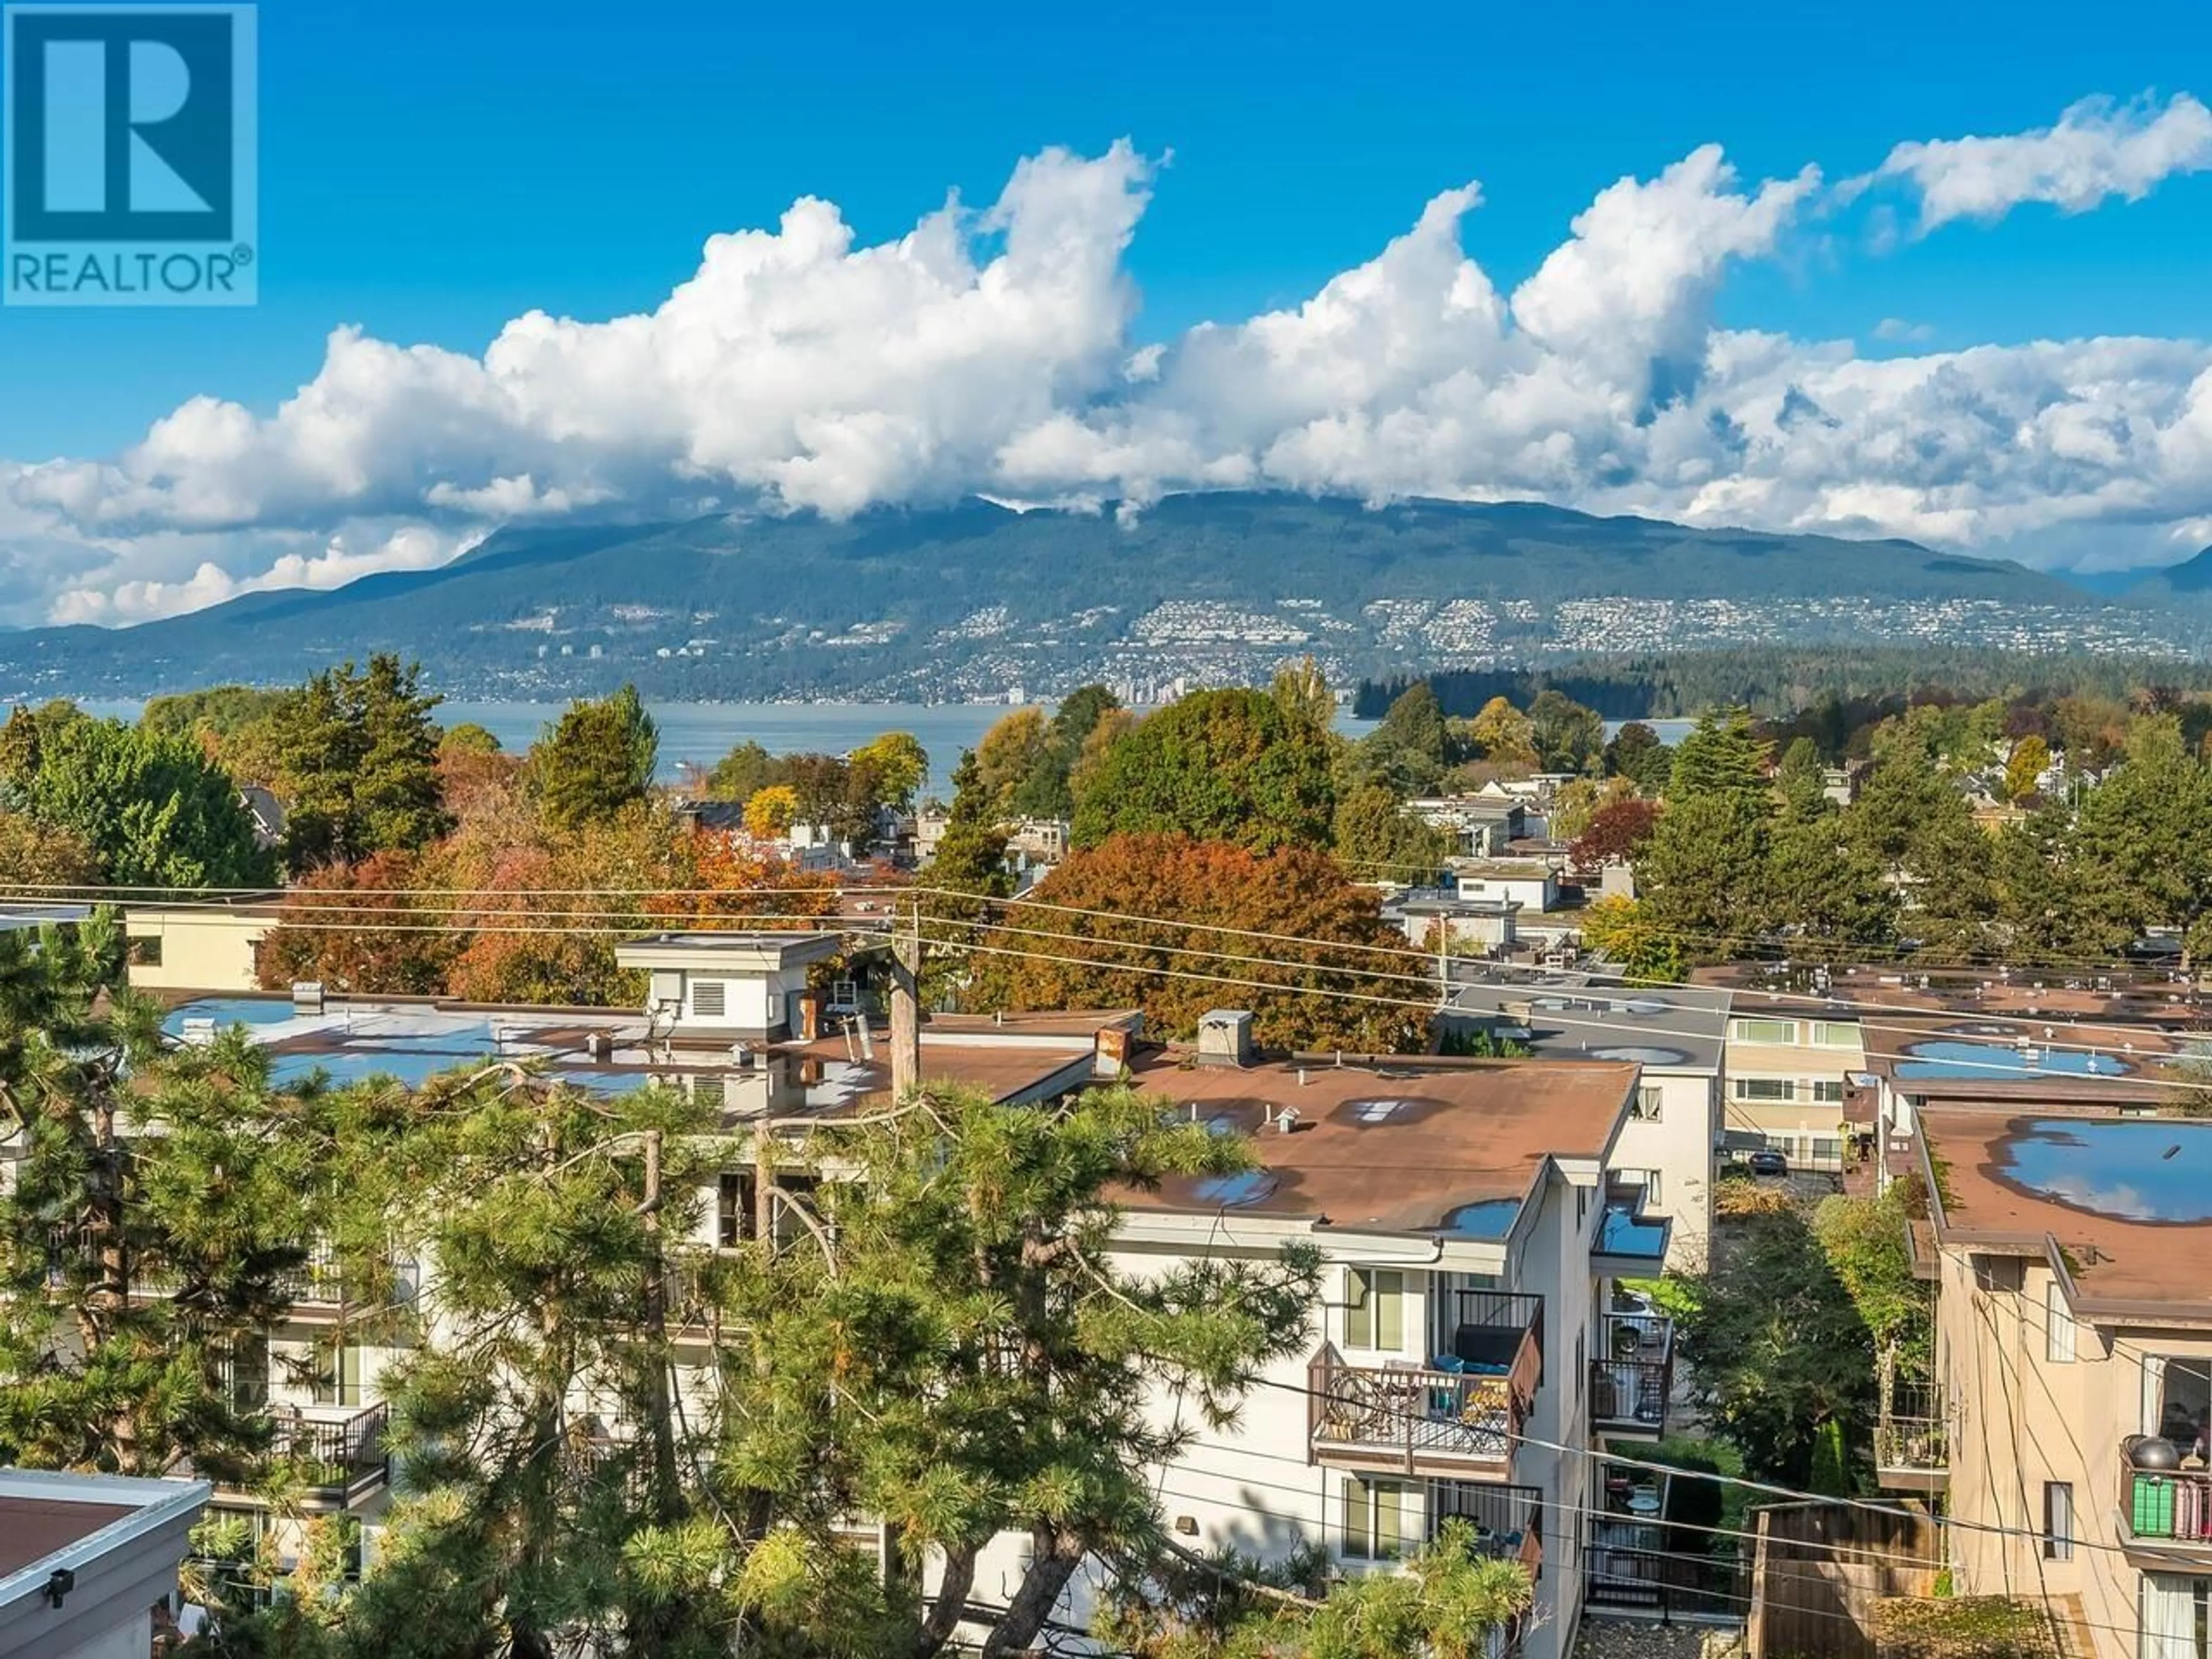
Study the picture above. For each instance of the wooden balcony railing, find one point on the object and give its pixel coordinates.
(1411, 1419)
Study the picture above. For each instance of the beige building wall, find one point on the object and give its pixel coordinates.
(1786, 1079)
(2022, 1414)
(177, 949)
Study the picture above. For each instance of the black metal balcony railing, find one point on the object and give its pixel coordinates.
(335, 1453)
(1508, 1521)
(1630, 1385)
(2173, 1506)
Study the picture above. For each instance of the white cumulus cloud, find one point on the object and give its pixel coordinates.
(2098, 149)
(993, 351)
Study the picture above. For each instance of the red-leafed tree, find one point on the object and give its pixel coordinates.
(1309, 955)
(1617, 830)
(361, 929)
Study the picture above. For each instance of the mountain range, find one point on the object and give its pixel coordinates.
(972, 599)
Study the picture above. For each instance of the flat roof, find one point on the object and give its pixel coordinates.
(352, 1040)
(2126, 1203)
(31, 1529)
(1573, 1016)
(1414, 1148)
(760, 939)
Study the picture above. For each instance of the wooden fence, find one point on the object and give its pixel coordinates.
(1818, 1569)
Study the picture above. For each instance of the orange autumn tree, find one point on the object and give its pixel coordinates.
(1323, 983)
(740, 886)
(543, 907)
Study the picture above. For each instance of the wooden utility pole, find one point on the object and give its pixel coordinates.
(906, 1006)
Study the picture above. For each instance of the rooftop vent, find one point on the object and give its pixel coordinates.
(1224, 1037)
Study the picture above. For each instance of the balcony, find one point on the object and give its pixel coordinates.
(1630, 1388)
(1508, 1521)
(2166, 1512)
(1911, 1449)
(339, 1450)
(1458, 1415)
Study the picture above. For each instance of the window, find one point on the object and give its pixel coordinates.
(340, 1385)
(1829, 1089)
(1374, 1309)
(2057, 1520)
(2178, 1400)
(2176, 1617)
(1997, 1272)
(2058, 1325)
(1649, 1097)
(1764, 1030)
(143, 951)
(1373, 1520)
(735, 1214)
(1826, 1150)
(1835, 1034)
(1647, 1179)
(1766, 1088)
(707, 998)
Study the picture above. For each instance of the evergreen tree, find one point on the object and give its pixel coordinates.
(2152, 822)
(555, 1220)
(596, 759)
(1703, 875)
(358, 761)
(968, 1286)
(157, 1206)
(1722, 756)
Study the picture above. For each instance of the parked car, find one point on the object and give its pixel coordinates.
(1767, 1163)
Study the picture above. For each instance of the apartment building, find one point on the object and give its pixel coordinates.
(1477, 1218)
(2074, 1366)
(1789, 1074)
(1675, 1034)
(1472, 1238)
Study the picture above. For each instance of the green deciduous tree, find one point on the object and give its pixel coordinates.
(1777, 1348)
(1567, 737)
(1220, 766)
(156, 812)
(1378, 840)
(596, 759)
(1638, 754)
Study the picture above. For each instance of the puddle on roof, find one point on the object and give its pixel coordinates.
(2138, 1169)
(2000, 1062)
(1489, 1218)
(1231, 1191)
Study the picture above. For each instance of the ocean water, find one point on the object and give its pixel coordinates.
(701, 734)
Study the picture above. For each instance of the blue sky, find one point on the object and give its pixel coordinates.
(430, 172)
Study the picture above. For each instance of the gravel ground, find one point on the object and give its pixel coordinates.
(1633, 1638)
